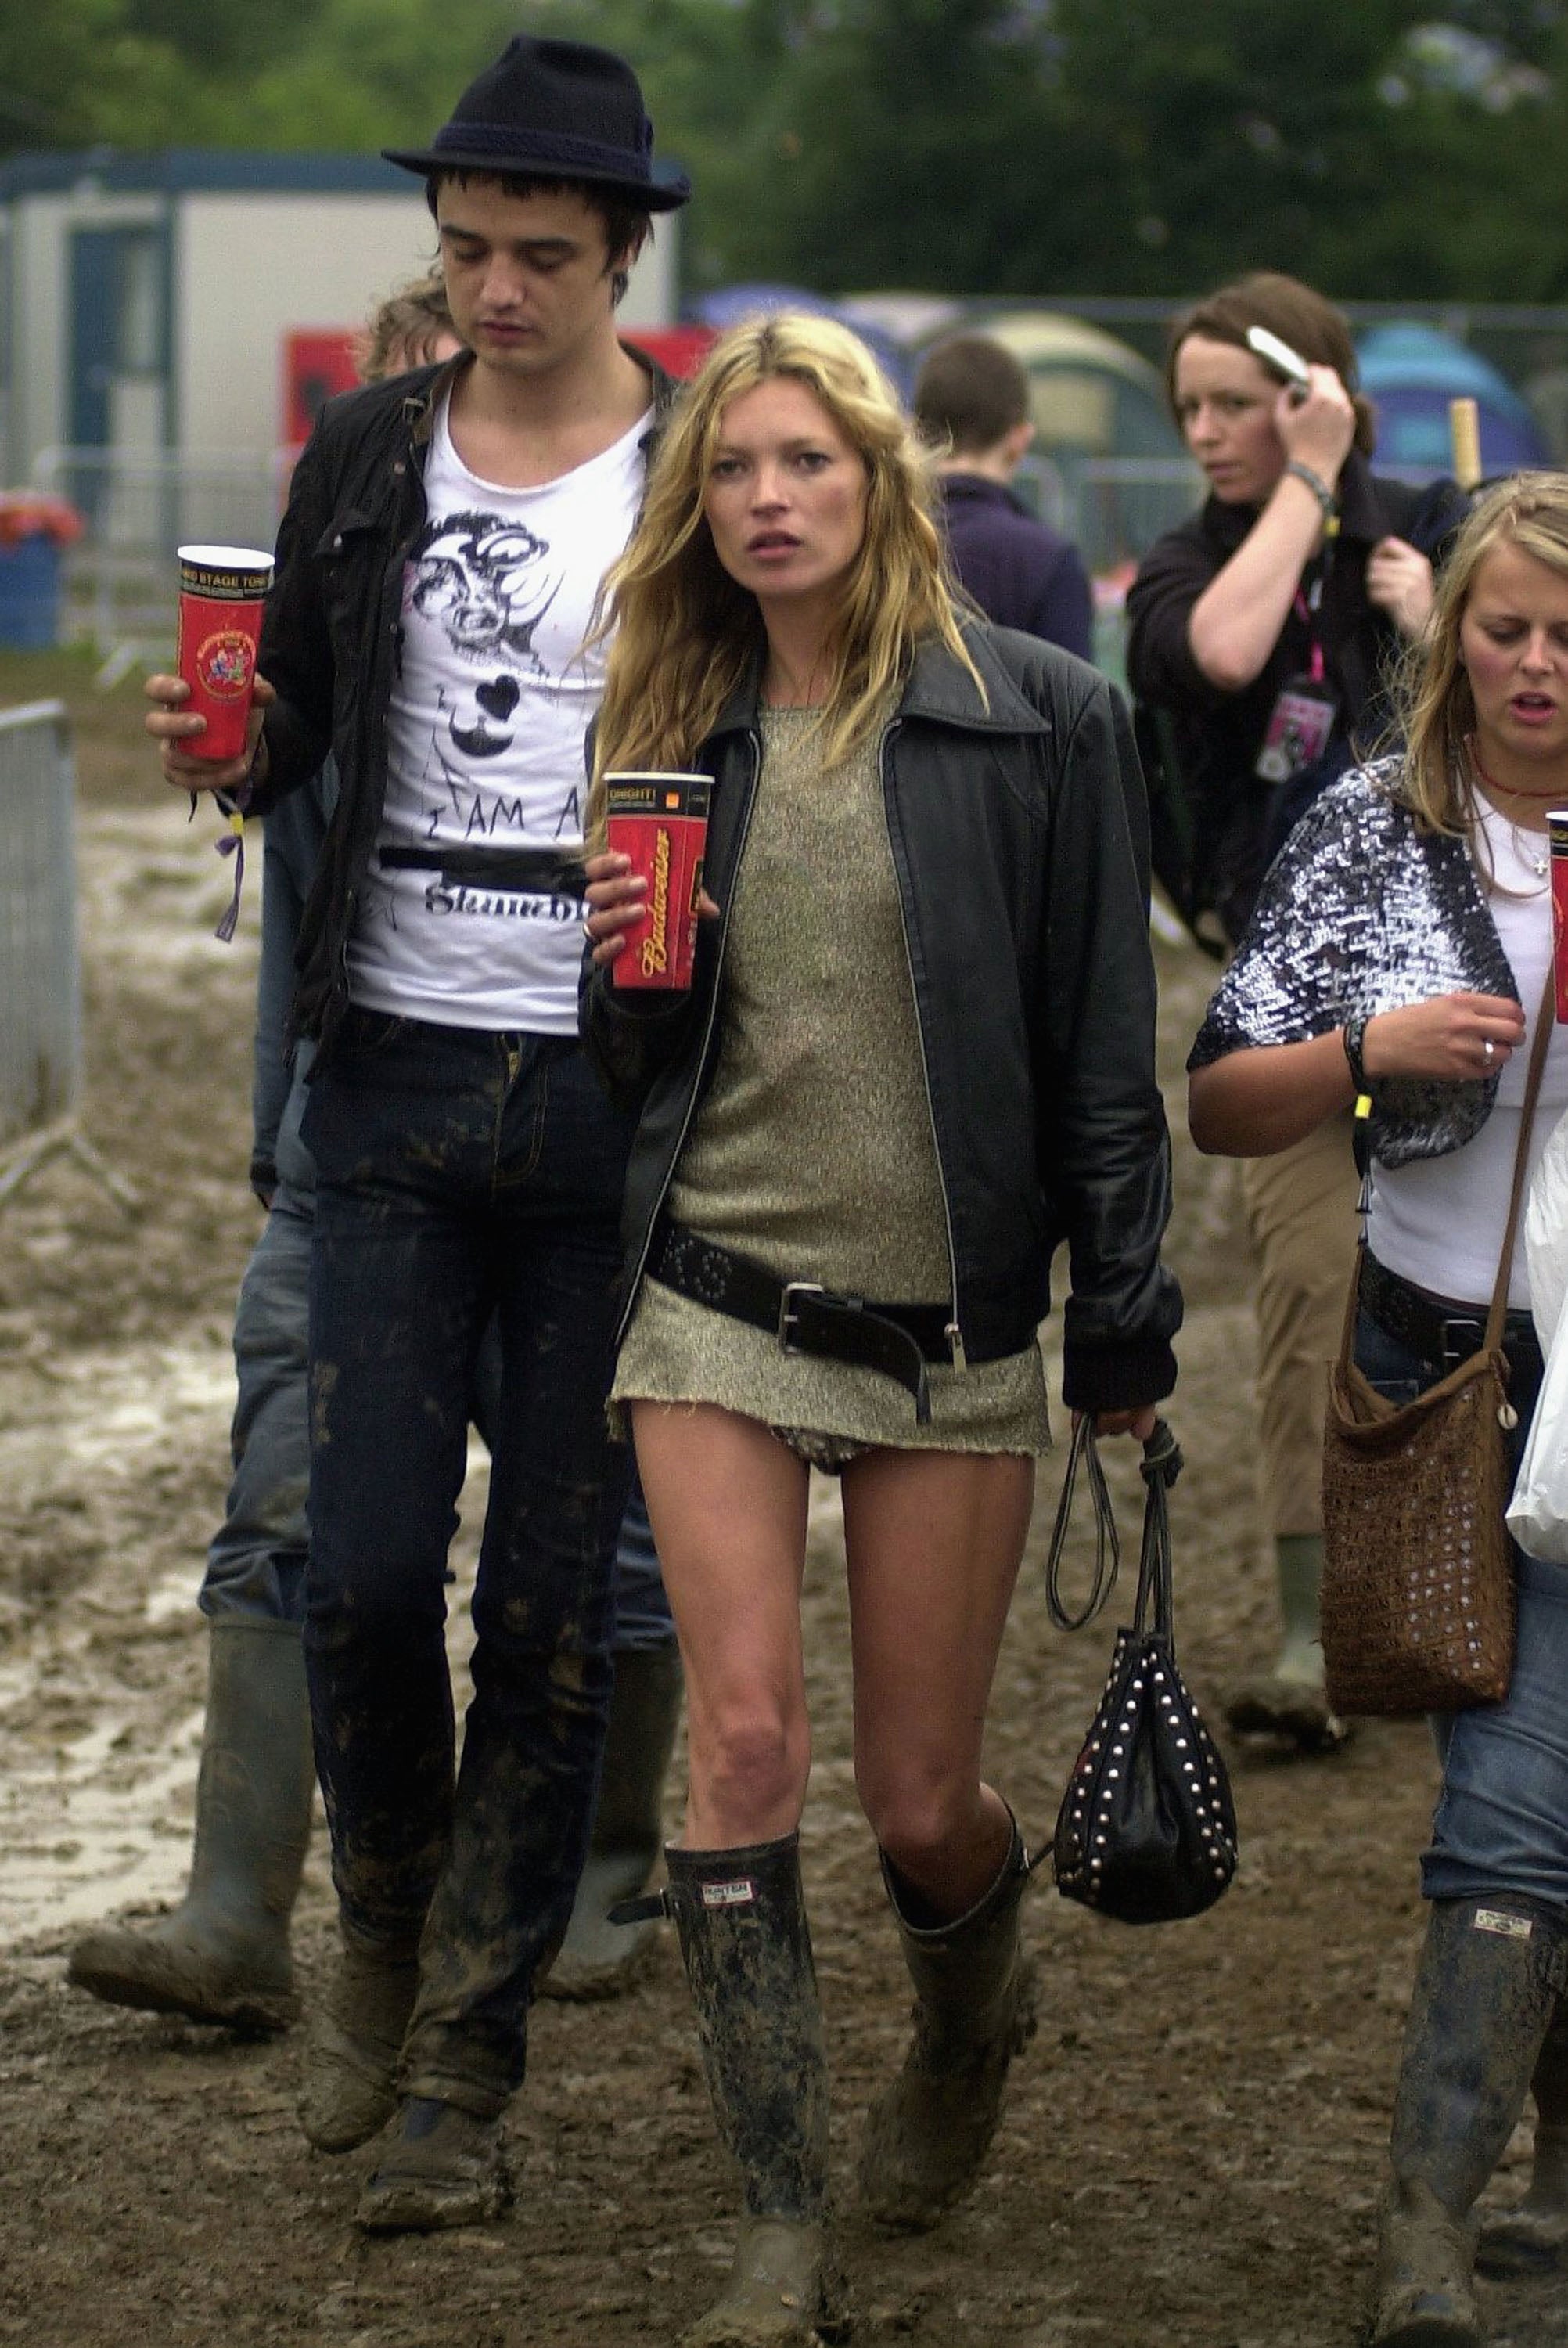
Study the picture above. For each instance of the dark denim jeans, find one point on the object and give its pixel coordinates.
(256, 1563)
(1500, 1827)
(461, 1174)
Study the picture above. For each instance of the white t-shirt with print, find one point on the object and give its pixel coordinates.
(484, 736)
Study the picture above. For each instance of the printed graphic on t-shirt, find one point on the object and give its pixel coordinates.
(473, 909)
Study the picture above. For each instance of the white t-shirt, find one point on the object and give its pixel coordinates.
(1440, 1222)
(485, 741)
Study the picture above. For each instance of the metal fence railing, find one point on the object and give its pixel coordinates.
(121, 579)
(40, 966)
(40, 1034)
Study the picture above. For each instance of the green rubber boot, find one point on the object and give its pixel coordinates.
(1532, 2239)
(974, 2009)
(223, 1955)
(1485, 1991)
(745, 1940)
(598, 1959)
(1289, 1702)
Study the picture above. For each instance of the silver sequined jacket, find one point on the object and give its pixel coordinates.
(1362, 912)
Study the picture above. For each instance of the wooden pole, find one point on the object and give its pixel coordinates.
(1464, 439)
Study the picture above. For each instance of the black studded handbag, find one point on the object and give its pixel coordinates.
(1146, 1831)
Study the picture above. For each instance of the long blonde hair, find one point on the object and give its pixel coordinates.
(686, 635)
(1435, 704)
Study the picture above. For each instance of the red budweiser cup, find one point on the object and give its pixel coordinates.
(1557, 832)
(661, 822)
(221, 592)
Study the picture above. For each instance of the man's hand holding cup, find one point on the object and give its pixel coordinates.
(173, 727)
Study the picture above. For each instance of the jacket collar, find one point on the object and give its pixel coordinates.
(939, 688)
(978, 489)
(432, 384)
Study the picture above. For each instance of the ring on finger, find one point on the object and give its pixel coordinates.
(1489, 1051)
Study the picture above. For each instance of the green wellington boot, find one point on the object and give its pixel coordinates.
(746, 1948)
(1289, 1702)
(223, 1955)
(974, 2008)
(1485, 1991)
(1532, 2239)
(598, 1959)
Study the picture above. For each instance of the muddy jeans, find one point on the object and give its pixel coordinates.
(1500, 1827)
(460, 1174)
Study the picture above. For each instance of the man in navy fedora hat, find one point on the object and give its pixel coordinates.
(438, 566)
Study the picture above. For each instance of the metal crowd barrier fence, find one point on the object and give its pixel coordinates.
(40, 969)
(40, 1032)
(121, 580)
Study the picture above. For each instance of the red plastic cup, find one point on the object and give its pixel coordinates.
(1557, 832)
(222, 590)
(661, 822)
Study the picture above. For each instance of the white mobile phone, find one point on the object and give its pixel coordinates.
(1280, 357)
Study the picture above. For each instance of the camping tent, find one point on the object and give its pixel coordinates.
(1412, 371)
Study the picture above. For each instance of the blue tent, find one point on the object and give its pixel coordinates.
(1412, 371)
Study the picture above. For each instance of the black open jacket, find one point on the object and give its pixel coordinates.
(1216, 735)
(332, 639)
(1025, 915)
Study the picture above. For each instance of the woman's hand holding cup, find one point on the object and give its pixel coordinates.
(616, 901)
(615, 896)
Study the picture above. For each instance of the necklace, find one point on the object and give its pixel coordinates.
(1529, 846)
(1512, 790)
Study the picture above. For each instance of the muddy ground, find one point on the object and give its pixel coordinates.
(1193, 2148)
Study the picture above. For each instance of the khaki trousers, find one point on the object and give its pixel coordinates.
(1301, 1211)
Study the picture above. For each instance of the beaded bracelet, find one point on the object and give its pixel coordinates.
(1316, 483)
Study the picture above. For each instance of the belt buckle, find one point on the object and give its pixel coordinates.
(794, 1288)
(1453, 1353)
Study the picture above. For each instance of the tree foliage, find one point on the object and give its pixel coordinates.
(998, 145)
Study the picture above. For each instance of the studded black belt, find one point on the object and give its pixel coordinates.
(896, 1340)
(1442, 1331)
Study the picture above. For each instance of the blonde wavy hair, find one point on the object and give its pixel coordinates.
(684, 634)
(1435, 706)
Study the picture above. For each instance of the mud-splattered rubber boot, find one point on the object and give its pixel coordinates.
(1290, 1703)
(440, 2166)
(598, 1959)
(354, 2043)
(1485, 1990)
(1532, 2239)
(223, 1956)
(746, 1947)
(974, 2008)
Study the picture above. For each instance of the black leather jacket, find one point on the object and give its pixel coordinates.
(332, 639)
(1025, 919)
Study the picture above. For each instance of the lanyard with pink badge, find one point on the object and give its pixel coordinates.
(1305, 707)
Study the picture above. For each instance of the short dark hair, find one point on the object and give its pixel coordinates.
(971, 391)
(627, 224)
(1298, 315)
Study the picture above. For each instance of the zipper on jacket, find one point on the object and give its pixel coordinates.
(754, 743)
(953, 1332)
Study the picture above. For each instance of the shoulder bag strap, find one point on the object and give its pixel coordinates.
(1545, 1019)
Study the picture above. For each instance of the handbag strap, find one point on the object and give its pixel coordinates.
(1544, 1022)
(1160, 1467)
(1083, 1451)
(1496, 1310)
